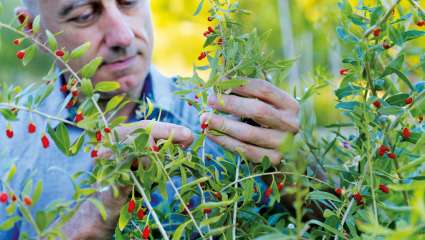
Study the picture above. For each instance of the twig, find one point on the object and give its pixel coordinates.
(235, 206)
(382, 20)
(149, 206)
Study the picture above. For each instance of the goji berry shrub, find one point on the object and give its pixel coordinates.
(372, 182)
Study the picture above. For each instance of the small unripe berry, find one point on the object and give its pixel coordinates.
(27, 201)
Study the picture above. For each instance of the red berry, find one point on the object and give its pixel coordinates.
(155, 148)
(204, 125)
(3, 197)
(384, 188)
(377, 104)
(218, 195)
(17, 42)
(210, 30)
(21, 18)
(27, 201)
(268, 192)
(131, 206)
(146, 232)
(202, 56)
(75, 93)
(220, 41)
(406, 133)
(207, 210)
(79, 117)
(31, 127)
(45, 141)
(382, 150)
(9, 133)
(14, 198)
(70, 104)
(94, 153)
(64, 88)
(386, 45)
(408, 100)
(59, 53)
(359, 198)
(210, 18)
(140, 214)
(280, 186)
(376, 32)
(206, 34)
(98, 136)
(392, 155)
(20, 54)
(344, 71)
(420, 23)
(107, 130)
(338, 192)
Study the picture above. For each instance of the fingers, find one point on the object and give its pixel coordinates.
(161, 130)
(257, 88)
(252, 153)
(267, 138)
(257, 110)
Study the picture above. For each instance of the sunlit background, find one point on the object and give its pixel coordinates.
(302, 29)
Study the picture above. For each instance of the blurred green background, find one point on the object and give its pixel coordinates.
(303, 28)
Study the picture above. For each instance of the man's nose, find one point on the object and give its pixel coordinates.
(118, 30)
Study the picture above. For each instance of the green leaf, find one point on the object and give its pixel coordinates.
(229, 84)
(124, 217)
(99, 207)
(141, 141)
(27, 188)
(350, 90)
(11, 173)
(36, 24)
(320, 195)
(90, 68)
(86, 87)
(412, 34)
(80, 51)
(9, 223)
(37, 192)
(390, 110)
(347, 105)
(51, 41)
(29, 54)
(76, 146)
(113, 103)
(397, 99)
(107, 86)
(8, 114)
(58, 141)
(198, 10)
(180, 230)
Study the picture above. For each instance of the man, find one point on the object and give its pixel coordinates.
(121, 32)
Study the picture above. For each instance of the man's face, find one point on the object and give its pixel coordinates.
(120, 31)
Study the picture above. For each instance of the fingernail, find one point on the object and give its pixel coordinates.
(212, 100)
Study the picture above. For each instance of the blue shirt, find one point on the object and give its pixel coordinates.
(53, 168)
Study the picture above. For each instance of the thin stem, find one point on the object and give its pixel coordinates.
(344, 218)
(235, 206)
(415, 4)
(173, 186)
(382, 20)
(48, 116)
(149, 206)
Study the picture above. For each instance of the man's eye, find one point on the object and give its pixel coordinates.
(128, 3)
(83, 18)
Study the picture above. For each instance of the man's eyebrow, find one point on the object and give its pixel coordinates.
(71, 6)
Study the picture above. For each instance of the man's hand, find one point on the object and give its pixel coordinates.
(267, 105)
(87, 223)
